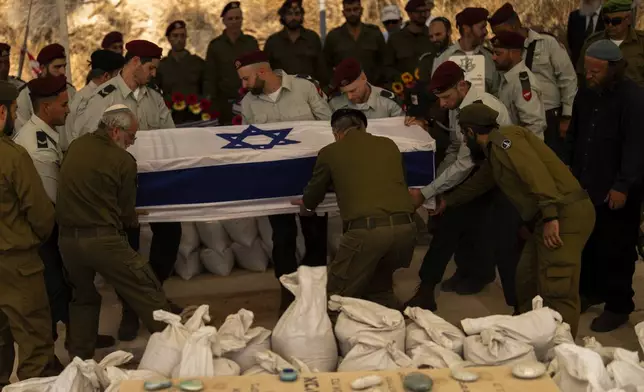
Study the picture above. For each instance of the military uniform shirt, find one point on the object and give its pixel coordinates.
(26, 214)
(24, 109)
(403, 50)
(554, 71)
(80, 100)
(458, 163)
(220, 76)
(380, 104)
(183, 75)
(303, 57)
(149, 107)
(16, 82)
(368, 49)
(426, 66)
(299, 99)
(492, 76)
(632, 49)
(521, 94)
(41, 142)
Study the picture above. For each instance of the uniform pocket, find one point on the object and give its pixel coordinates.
(33, 293)
(143, 272)
(350, 246)
(558, 282)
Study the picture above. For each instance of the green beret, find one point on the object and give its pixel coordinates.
(611, 6)
(478, 114)
(8, 92)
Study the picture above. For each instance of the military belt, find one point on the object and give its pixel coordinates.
(89, 232)
(383, 221)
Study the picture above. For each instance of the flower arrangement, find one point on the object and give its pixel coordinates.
(407, 81)
(190, 108)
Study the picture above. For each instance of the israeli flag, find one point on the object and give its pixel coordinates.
(207, 174)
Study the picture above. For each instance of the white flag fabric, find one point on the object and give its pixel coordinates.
(207, 174)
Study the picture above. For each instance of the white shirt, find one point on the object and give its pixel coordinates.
(617, 42)
(594, 18)
(273, 96)
(80, 100)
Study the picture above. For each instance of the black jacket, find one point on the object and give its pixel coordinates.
(576, 33)
(606, 139)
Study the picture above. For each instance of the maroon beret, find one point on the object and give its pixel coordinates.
(471, 16)
(253, 57)
(413, 5)
(111, 39)
(502, 15)
(346, 72)
(50, 53)
(49, 86)
(445, 77)
(508, 40)
(177, 24)
(5, 49)
(142, 48)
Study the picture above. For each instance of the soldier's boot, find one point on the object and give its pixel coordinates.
(450, 285)
(102, 341)
(608, 321)
(424, 298)
(285, 301)
(129, 328)
(587, 303)
(469, 287)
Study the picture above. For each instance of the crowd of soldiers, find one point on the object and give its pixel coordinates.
(539, 171)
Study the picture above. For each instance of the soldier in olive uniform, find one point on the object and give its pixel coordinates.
(53, 62)
(296, 50)
(472, 27)
(130, 89)
(619, 22)
(519, 91)
(275, 96)
(368, 176)
(545, 193)
(221, 83)
(181, 71)
(440, 32)
(5, 66)
(355, 39)
(96, 204)
(26, 221)
(105, 65)
(358, 93)
(113, 42)
(405, 47)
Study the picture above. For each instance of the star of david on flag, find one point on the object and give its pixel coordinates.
(277, 138)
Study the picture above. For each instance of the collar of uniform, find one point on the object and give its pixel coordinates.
(39, 123)
(425, 31)
(514, 72)
(125, 90)
(532, 36)
(458, 48)
(92, 85)
(287, 80)
(284, 34)
(495, 137)
(345, 28)
(173, 58)
(242, 37)
(471, 96)
(373, 96)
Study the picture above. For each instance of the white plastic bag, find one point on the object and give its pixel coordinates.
(220, 264)
(78, 376)
(189, 239)
(358, 316)
(199, 319)
(536, 328)
(474, 326)
(187, 267)
(607, 354)
(562, 335)
(427, 327)
(237, 327)
(626, 373)
(435, 356)
(491, 348)
(370, 352)
(253, 257)
(267, 362)
(196, 356)
(120, 375)
(107, 370)
(580, 370)
(304, 331)
(163, 351)
(639, 331)
(242, 231)
(214, 236)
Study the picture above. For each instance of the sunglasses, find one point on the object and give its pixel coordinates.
(616, 21)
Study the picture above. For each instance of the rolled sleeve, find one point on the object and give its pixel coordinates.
(453, 175)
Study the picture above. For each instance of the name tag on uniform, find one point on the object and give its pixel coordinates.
(473, 67)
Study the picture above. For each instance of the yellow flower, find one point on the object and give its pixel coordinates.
(195, 109)
(205, 117)
(397, 87)
(417, 73)
(179, 106)
(407, 78)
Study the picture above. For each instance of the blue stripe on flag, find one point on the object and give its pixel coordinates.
(250, 181)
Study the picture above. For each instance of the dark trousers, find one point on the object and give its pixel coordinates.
(461, 232)
(58, 290)
(608, 260)
(552, 136)
(314, 230)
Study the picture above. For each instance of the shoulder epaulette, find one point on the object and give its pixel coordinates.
(307, 77)
(422, 56)
(387, 94)
(107, 90)
(41, 139)
(22, 87)
(526, 88)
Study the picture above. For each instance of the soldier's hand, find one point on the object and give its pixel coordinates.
(441, 205)
(564, 123)
(551, 235)
(417, 197)
(409, 121)
(142, 212)
(615, 199)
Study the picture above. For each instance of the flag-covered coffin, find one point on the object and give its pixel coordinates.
(205, 174)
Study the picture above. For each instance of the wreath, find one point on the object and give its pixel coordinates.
(190, 108)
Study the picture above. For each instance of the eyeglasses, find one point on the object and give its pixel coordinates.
(616, 21)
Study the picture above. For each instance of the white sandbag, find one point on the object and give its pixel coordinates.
(265, 233)
(371, 352)
(639, 331)
(253, 257)
(357, 316)
(199, 319)
(108, 370)
(474, 326)
(301, 367)
(580, 370)
(435, 356)
(267, 362)
(237, 327)
(427, 327)
(626, 373)
(304, 331)
(562, 335)
(214, 236)
(491, 348)
(163, 351)
(196, 356)
(242, 231)
(120, 375)
(607, 354)
(187, 267)
(189, 239)
(536, 328)
(217, 263)
(78, 376)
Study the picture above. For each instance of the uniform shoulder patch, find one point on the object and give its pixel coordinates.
(107, 90)
(41, 139)
(506, 144)
(387, 94)
(526, 88)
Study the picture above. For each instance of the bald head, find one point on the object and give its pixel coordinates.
(254, 76)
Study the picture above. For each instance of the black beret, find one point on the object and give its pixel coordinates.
(8, 92)
(49, 86)
(502, 15)
(111, 38)
(445, 77)
(478, 114)
(230, 6)
(508, 40)
(50, 53)
(142, 48)
(413, 5)
(340, 113)
(346, 72)
(177, 24)
(253, 57)
(471, 16)
(5, 49)
(106, 60)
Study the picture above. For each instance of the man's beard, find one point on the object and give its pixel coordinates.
(353, 20)
(258, 88)
(442, 45)
(589, 9)
(9, 126)
(294, 25)
(475, 149)
(419, 23)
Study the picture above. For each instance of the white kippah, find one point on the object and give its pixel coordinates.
(116, 107)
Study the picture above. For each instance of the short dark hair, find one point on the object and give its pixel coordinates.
(350, 1)
(36, 101)
(444, 21)
(480, 129)
(513, 20)
(129, 56)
